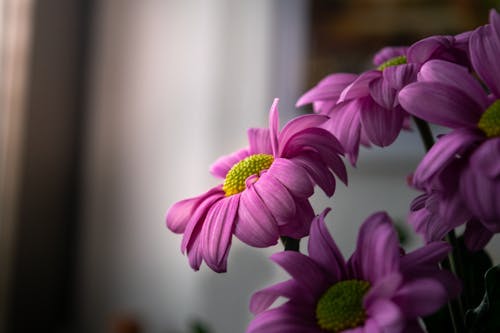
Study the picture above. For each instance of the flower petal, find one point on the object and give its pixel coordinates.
(399, 76)
(420, 297)
(264, 298)
(299, 225)
(218, 231)
(440, 104)
(444, 152)
(381, 125)
(328, 88)
(359, 87)
(274, 126)
(304, 270)
(275, 195)
(387, 316)
(260, 141)
(388, 53)
(484, 49)
(293, 176)
(223, 164)
(255, 225)
(283, 319)
(319, 172)
(453, 75)
(323, 250)
(476, 236)
(382, 93)
(298, 124)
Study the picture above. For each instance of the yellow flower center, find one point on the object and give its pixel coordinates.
(490, 120)
(392, 62)
(252, 165)
(341, 306)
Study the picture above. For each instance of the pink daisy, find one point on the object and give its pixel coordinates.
(265, 190)
(377, 290)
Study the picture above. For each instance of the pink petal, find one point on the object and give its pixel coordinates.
(255, 225)
(421, 297)
(221, 166)
(260, 141)
(194, 254)
(453, 75)
(298, 124)
(440, 104)
(323, 250)
(299, 225)
(319, 172)
(388, 53)
(427, 256)
(399, 76)
(387, 316)
(263, 299)
(444, 152)
(484, 46)
(293, 176)
(382, 93)
(328, 88)
(359, 88)
(274, 126)
(476, 236)
(275, 196)
(381, 125)
(304, 270)
(282, 319)
(385, 288)
(218, 231)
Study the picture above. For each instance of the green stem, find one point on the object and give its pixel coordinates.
(455, 306)
(290, 244)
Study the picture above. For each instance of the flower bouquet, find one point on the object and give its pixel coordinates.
(449, 284)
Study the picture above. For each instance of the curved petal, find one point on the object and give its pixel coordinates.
(387, 316)
(382, 126)
(377, 249)
(217, 232)
(299, 225)
(298, 124)
(323, 250)
(328, 88)
(260, 141)
(448, 149)
(382, 93)
(274, 124)
(428, 48)
(428, 256)
(455, 76)
(263, 299)
(440, 104)
(385, 288)
(283, 319)
(223, 164)
(360, 86)
(275, 196)
(255, 225)
(304, 270)
(319, 172)
(399, 76)
(484, 46)
(420, 297)
(485, 158)
(194, 253)
(292, 176)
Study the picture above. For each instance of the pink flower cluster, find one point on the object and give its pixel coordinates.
(265, 189)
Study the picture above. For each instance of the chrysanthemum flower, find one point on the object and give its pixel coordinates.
(447, 94)
(364, 109)
(265, 190)
(377, 290)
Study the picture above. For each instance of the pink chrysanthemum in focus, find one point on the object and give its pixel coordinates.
(265, 190)
(377, 290)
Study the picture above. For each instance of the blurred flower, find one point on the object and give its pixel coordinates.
(265, 190)
(377, 290)
(464, 162)
(364, 109)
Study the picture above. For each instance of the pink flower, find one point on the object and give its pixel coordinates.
(364, 109)
(377, 290)
(265, 191)
(464, 164)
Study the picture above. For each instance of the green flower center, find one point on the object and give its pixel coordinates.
(252, 165)
(341, 306)
(392, 62)
(490, 120)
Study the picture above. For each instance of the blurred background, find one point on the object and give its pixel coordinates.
(112, 110)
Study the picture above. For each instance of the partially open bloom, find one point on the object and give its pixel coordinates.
(377, 290)
(466, 160)
(265, 190)
(364, 109)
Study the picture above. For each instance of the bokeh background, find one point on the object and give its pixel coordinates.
(112, 110)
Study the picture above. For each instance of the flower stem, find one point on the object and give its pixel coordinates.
(290, 244)
(455, 307)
